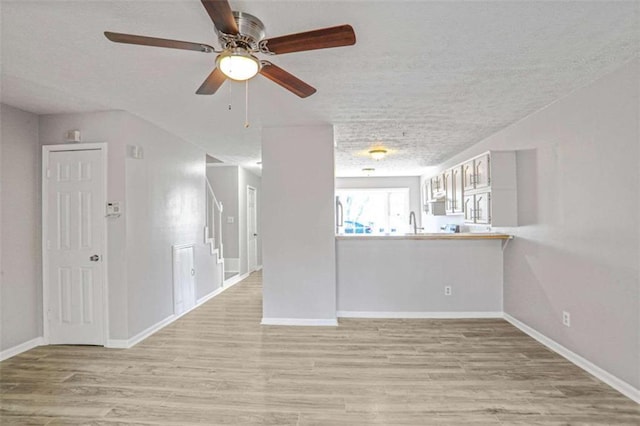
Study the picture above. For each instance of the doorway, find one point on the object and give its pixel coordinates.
(252, 229)
(74, 234)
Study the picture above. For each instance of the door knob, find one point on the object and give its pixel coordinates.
(94, 258)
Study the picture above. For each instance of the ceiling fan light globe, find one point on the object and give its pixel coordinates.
(238, 65)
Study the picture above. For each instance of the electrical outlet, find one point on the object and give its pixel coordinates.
(566, 318)
(447, 290)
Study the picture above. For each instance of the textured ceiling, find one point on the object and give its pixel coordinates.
(427, 79)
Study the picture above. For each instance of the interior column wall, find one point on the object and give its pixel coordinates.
(299, 257)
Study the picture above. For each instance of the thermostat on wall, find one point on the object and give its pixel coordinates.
(113, 209)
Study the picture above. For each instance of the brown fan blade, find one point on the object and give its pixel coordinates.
(157, 42)
(212, 83)
(286, 80)
(342, 35)
(220, 13)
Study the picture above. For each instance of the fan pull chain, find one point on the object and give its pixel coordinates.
(229, 93)
(246, 104)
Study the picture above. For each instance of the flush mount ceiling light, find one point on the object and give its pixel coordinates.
(378, 153)
(238, 64)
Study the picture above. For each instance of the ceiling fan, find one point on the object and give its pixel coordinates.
(241, 36)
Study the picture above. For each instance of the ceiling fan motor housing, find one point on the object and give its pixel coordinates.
(250, 32)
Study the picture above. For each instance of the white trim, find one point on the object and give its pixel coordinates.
(235, 279)
(46, 149)
(125, 344)
(255, 208)
(22, 347)
(426, 315)
(300, 322)
(221, 165)
(258, 268)
(620, 385)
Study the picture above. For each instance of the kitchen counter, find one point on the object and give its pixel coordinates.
(430, 236)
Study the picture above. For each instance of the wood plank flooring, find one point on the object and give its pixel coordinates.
(217, 365)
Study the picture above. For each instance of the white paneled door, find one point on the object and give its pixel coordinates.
(252, 229)
(74, 236)
(184, 280)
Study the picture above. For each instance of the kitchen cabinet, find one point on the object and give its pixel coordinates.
(431, 205)
(477, 173)
(468, 176)
(482, 211)
(453, 190)
(483, 189)
(469, 208)
(437, 187)
(477, 208)
(482, 176)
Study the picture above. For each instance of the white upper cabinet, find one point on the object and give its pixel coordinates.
(482, 171)
(482, 211)
(437, 187)
(468, 176)
(453, 190)
(483, 188)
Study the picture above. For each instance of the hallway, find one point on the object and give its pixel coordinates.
(217, 365)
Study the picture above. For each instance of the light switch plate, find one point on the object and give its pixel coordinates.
(230, 219)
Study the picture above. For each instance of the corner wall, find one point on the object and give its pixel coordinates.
(577, 248)
(20, 228)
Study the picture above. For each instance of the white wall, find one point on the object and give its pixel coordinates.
(299, 280)
(20, 228)
(402, 277)
(164, 202)
(578, 246)
(224, 181)
(411, 182)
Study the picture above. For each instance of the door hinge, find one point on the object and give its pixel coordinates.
(48, 174)
(48, 244)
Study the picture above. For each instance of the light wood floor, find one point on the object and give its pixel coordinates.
(217, 365)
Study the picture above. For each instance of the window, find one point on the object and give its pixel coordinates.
(374, 211)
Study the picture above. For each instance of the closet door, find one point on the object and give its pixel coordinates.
(184, 274)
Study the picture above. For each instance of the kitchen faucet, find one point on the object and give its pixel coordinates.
(412, 220)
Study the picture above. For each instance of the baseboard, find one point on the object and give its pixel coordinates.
(300, 322)
(259, 267)
(22, 347)
(235, 280)
(417, 315)
(621, 386)
(128, 343)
